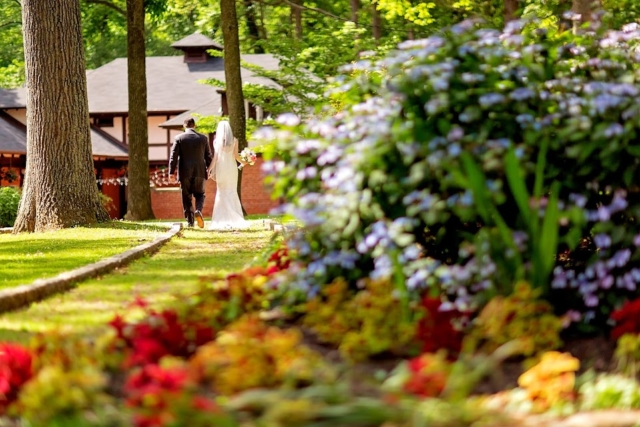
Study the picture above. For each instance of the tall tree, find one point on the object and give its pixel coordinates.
(355, 7)
(296, 18)
(376, 22)
(235, 98)
(139, 200)
(252, 25)
(60, 185)
(510, 10)
(584, 9)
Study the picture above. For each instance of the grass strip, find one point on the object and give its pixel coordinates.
(30, 256)
(177, 268)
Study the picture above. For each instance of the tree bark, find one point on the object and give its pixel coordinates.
(355, 7)
(376, 22)
(296, 18)
(235, 98)
(510, 10)
(585, 9)
(60, 185)
(139, 200)
(252, 25)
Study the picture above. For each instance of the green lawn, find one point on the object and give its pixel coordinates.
(176, 269)
(27, 257)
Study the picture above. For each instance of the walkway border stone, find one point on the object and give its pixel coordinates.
(6, 230)
(22, 296)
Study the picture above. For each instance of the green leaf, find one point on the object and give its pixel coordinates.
(517, 184)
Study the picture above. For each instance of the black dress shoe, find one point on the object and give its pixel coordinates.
(199, 219)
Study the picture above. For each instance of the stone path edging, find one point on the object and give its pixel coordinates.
(6, 230)
(22, 296)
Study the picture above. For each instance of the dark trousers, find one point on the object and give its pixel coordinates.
(192, 187)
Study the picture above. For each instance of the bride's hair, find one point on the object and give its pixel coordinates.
(224, 135)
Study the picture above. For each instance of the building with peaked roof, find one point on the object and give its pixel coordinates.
(175, 90)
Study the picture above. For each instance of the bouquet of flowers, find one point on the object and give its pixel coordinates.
(247, 156)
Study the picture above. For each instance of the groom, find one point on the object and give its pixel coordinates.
(190, 157)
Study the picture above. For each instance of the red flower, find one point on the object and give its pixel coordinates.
(627, 319)
(16, 368)
(146, 350)
(436, 330)
(204, 404)
(426, 380)
(118, 324)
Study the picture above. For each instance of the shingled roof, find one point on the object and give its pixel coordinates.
(196, 40)
(13, 135)
(211, 108)
(13, 139)
(13, 98)
(172, 85)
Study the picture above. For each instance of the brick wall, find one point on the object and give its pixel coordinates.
(256, 199)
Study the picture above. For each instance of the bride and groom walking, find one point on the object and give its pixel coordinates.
(193, 160)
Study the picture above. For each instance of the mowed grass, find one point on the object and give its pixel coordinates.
(27, 257)
(176, 270)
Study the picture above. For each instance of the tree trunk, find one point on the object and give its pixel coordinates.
(376, 22)
(139, 200)
(296, 17)
(235, 98)
(355, 6)
(252, 25)
(60, 185)
(510, 10)
(584, 9)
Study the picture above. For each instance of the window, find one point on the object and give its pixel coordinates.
(103, 122)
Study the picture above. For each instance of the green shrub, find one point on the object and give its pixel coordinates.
(9, 200)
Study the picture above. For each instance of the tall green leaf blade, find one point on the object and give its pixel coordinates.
(517, 185)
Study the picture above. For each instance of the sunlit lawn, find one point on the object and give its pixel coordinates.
(176, 269)
(27, 257)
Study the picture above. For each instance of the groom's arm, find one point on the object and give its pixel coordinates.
(173, 158)
(208, 155)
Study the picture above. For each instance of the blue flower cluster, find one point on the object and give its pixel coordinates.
(386, 188)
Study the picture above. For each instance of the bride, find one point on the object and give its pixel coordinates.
(227, 211)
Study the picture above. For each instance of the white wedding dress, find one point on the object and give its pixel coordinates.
(227, 211)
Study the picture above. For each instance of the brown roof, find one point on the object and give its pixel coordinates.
(13, 139)
(196, 40)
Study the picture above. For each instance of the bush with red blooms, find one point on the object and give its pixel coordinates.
(436, 330)
(162, 397)
(627, 319)
(221, 301)
(423, 376)
(279, 260)
(157, 335)
(16, 368)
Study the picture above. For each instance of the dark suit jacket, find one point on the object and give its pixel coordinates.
(190, 155)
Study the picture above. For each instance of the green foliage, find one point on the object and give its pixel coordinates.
(521, 317)
(608, 391)
(370, 322)
(9, 201)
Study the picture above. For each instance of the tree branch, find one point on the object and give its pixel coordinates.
(107, 4)
(10, 23)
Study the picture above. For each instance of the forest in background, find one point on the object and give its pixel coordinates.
(322, 34)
